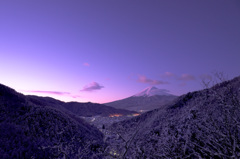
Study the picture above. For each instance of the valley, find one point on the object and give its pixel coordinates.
(199, 124)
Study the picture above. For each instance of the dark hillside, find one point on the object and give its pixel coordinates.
(31, 131)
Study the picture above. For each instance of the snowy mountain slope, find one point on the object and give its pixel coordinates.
(202, 124)
(151, 91)
(148, 99)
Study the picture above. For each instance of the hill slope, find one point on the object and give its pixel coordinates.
(202, 124)
(93, 109)
(80, 109)
(32, 131)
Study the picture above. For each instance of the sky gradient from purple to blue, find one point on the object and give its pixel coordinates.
(105, 50)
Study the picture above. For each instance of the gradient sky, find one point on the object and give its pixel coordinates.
(105, 50)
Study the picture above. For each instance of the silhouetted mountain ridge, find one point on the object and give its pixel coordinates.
(93, 109)
(82, 109)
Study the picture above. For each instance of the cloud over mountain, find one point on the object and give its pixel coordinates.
(144, 79)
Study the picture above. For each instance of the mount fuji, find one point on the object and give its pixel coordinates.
(148, 99)
(152, 91)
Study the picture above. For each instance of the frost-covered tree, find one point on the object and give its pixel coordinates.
(224, 120)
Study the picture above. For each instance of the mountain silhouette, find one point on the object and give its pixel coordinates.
(148, 99)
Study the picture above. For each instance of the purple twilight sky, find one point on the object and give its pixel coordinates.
(105, 50)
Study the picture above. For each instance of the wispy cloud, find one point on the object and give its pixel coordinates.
(92, 86)
(86, 64)
(49, 92)
(183, 77)
(186, 77)
(144, 79)
(53, 93)
(75, 96)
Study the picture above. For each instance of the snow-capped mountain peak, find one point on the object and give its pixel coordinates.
(151, 91)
